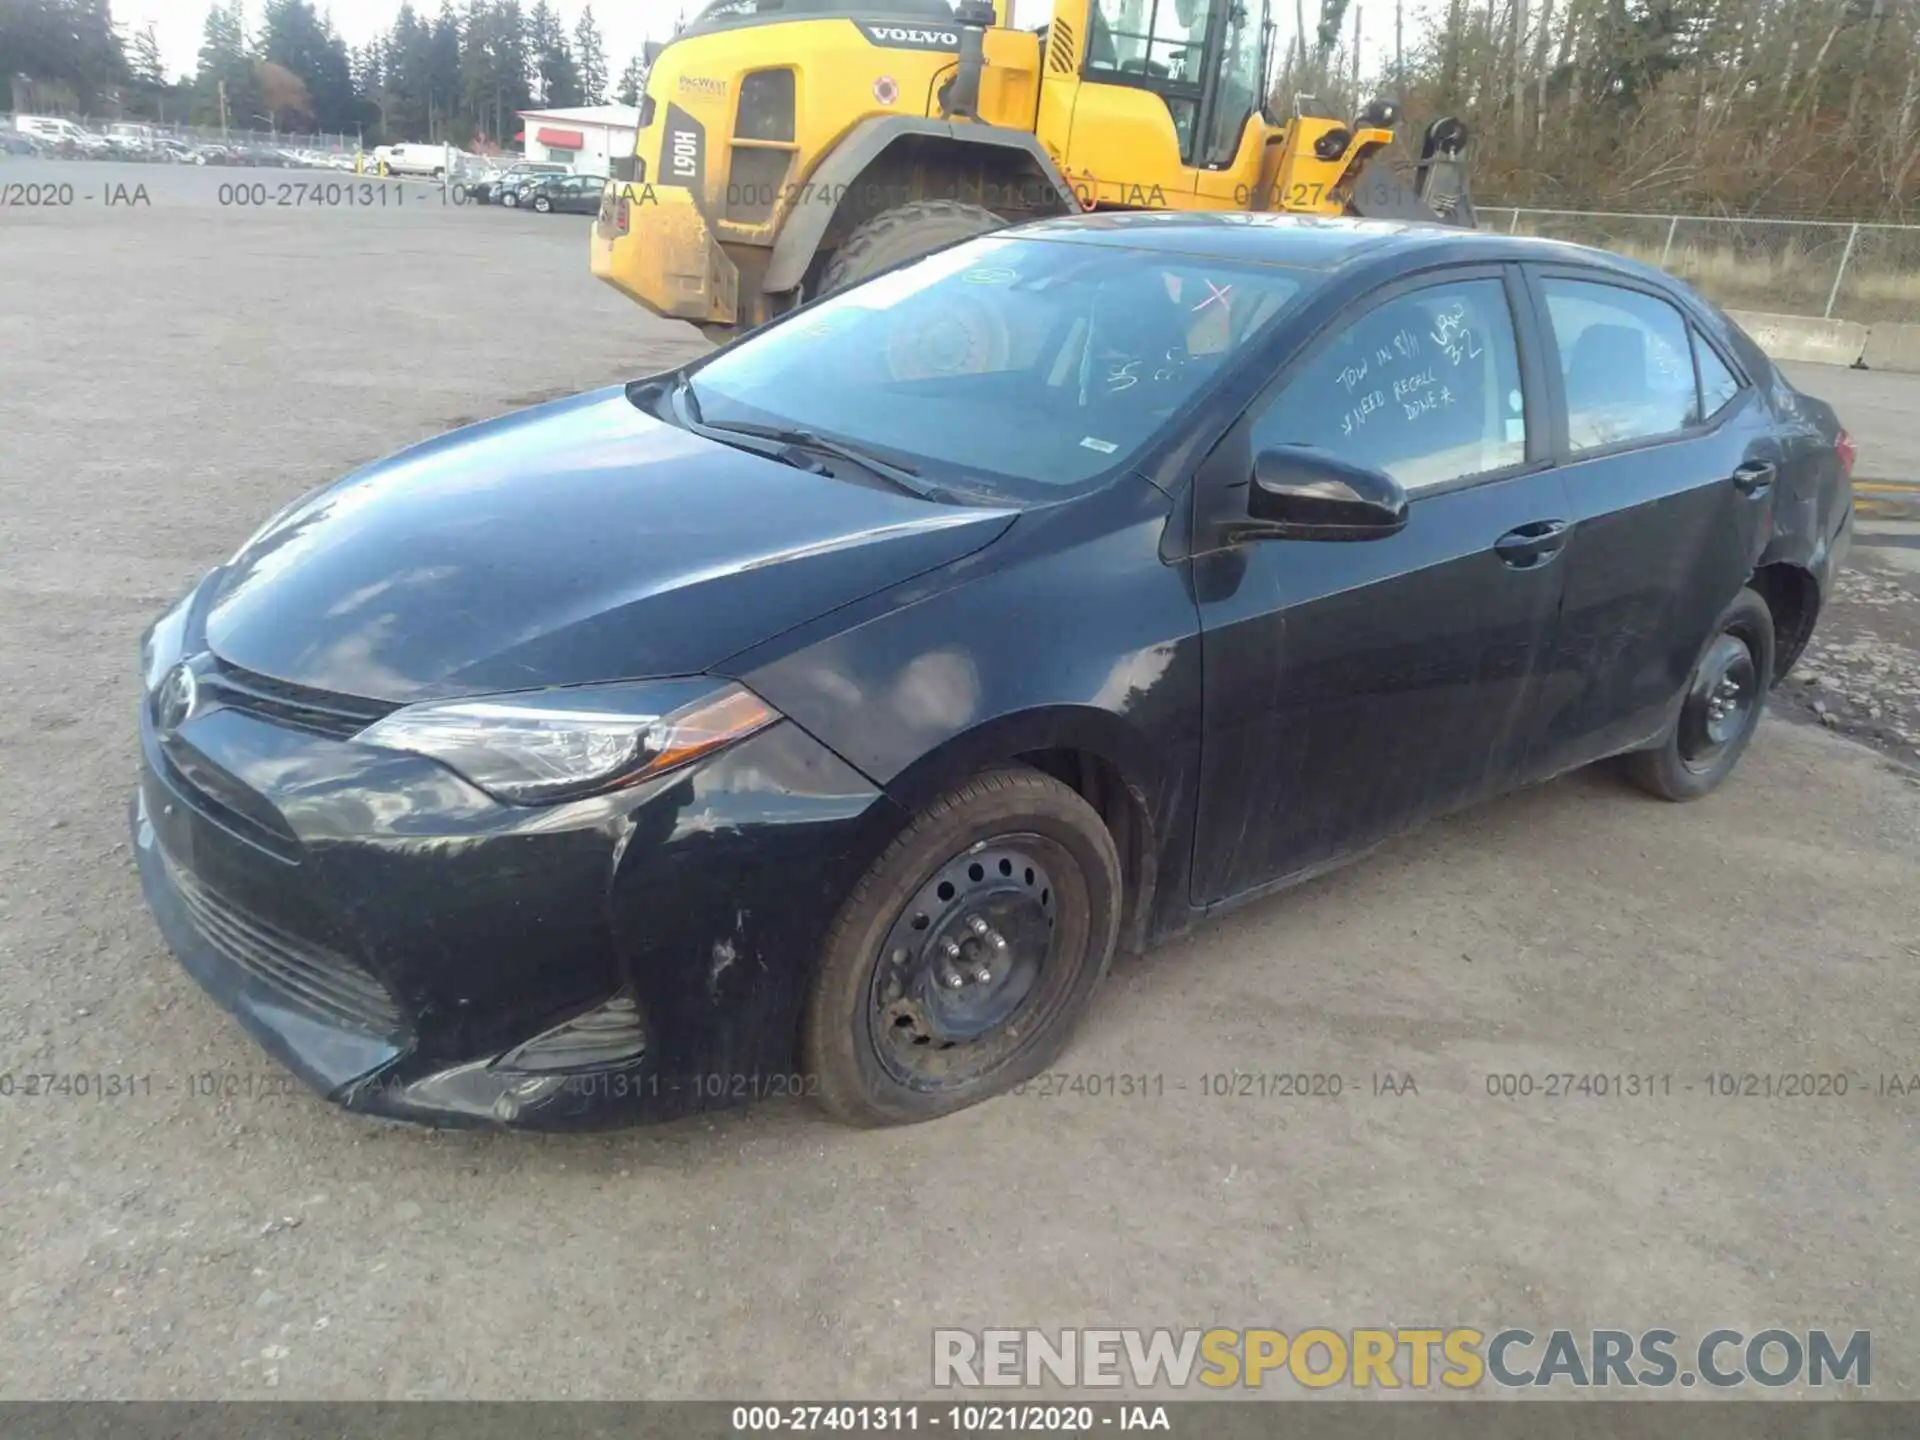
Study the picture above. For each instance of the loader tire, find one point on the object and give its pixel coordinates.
(903, 233)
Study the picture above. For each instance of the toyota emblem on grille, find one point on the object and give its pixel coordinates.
(179, 693)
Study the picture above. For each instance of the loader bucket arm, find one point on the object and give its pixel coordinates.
(1440, 192)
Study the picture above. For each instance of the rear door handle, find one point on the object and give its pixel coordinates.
(1531, 545)
(1755, 476)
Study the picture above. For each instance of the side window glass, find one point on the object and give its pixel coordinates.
(1425, 387)
(1718, 384)
(1627, 362)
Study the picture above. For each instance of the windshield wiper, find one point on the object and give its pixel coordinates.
(896, 473)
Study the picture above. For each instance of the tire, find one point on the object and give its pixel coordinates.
(901, 234)
(892, 1033)
(542, 204)
(1726, 696)
(510, 201)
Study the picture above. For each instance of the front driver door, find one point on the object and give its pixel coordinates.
(1353, 689)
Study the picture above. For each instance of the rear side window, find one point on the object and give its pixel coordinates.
(1626, 359)
(1425, 387)
(1718, 384)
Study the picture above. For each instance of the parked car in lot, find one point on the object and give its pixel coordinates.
(484, 189)
(13, 143)
(822, 715)
(568, 194)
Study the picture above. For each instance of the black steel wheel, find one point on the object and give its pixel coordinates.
(963, 958)
(1725, 698)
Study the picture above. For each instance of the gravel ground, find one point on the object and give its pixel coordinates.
(170, 374)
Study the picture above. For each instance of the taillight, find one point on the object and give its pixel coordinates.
(1848, 453)
(623, 212)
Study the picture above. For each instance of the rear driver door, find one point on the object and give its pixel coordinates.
(1672, 462)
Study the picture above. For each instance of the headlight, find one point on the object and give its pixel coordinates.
(161, 644)
(559, 744)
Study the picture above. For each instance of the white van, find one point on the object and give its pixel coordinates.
(52, 129)
(431, 160)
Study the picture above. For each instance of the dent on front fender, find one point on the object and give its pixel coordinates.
(723, 891)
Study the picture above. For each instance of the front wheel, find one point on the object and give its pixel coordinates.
(542, 204)
(903, 233)
(962, 960)
(1726, 696)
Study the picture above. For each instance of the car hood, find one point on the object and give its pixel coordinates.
(574, 542)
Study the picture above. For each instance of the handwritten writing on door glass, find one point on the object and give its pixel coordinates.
(1431, 361)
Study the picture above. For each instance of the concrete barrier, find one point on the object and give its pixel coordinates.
(1805, 337)
(1893, 347)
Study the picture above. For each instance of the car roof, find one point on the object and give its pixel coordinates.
(1317, 242)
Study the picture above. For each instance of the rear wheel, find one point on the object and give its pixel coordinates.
(1726, 696)
(964, 957)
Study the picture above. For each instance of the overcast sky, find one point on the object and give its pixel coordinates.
(625, 24)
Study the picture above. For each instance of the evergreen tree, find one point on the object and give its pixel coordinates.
(407, 68)
(495, 69)
(591, 58)
(149, 71)
(633, 82)
(294, 37)
(70, 47)
(226, 69)
(559, 77)
(443, 72)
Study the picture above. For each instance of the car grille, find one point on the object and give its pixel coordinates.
(222, 800)
(321, 712)
(314, 977)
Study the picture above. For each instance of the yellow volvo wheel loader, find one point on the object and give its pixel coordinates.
(789, 147)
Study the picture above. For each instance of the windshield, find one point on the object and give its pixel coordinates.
(1040, 363)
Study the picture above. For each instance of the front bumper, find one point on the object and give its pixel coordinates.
(412, 948)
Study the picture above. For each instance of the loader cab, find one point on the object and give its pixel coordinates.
(1205, 59)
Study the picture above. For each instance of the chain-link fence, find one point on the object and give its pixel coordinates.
(1793, 267)
(129, 135)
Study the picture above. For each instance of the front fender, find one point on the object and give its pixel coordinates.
(1070, 633)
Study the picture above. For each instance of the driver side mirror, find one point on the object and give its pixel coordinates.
(1300, 493)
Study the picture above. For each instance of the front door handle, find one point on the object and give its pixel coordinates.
(1527, 546)
(1755, 476)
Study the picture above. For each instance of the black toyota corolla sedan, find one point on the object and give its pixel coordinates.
(821, 717)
